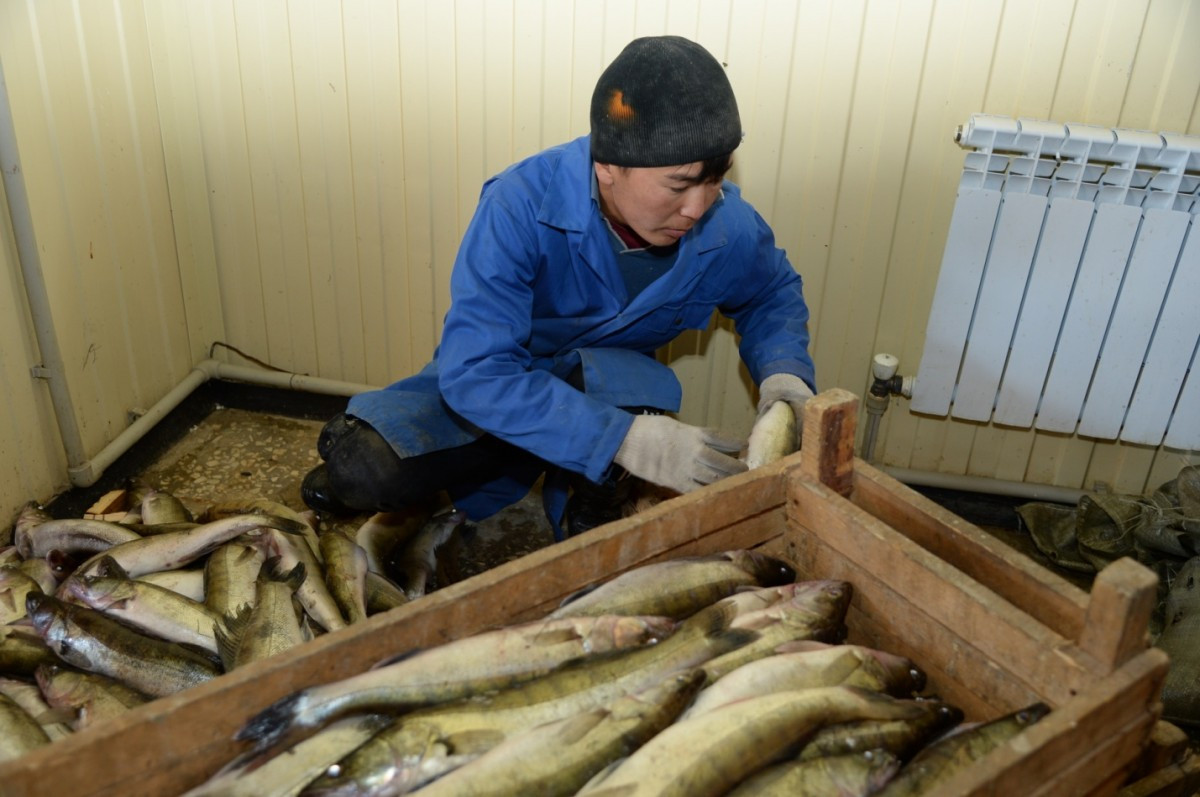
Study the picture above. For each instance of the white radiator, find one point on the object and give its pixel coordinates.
(1069, 293)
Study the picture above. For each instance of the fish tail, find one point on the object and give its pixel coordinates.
(272, 723)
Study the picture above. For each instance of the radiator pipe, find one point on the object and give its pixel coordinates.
(89, 472)
(984, 485)
(885, 384)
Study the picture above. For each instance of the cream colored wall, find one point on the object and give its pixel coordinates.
(292, 178)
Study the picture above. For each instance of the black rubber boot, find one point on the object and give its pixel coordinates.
(318, 495)
(593, 504)
(334, 430)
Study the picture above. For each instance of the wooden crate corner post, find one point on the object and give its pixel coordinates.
(827, 441)
(1116, 625)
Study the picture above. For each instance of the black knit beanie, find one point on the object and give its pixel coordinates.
(662, 102)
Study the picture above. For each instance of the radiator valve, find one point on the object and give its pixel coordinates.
(887, 382)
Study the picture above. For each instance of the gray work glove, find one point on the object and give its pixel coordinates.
(671, 454)
(784, 387)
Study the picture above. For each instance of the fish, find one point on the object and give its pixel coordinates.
(382, 594)
(313, 594)
(147, 607)
(950, 754)
(345, 574)
(19, 732)
(90, 697)
(416, 562)
(29, 697)
(42, 572)
(846, 775)
(231, 576)
(264, 506)
(176, 549)
(753, 599)
(816, 611)
(272, 625)
(189, 582)
(774, 436)
(22, 650)
(14, 586)
(473, 665)
(80, 537)
(427, 743)
(30, 515)
(159, 507)
(813, 664)
(292, 769)
(87, 639)
(711, 753)
(678, 587)
(10, 556)
(903, 738)
(381, 533)
(559, 757)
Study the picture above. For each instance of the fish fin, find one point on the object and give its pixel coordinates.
(473, 742)
(408, 654)
(306, 629)
(580, 725)
(735, 638)
(62, 714)
(288, 525)
(108, 567)
(599, 777)
(555, 636)
(229, 634)
(577, 594)
(273, 722)
(801, 646)
(272, 571)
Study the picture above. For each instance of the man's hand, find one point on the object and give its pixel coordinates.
(671, 454)
(784, 387)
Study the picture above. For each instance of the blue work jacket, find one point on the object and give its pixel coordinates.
(536, 291)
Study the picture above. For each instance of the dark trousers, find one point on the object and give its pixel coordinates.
(366, 473)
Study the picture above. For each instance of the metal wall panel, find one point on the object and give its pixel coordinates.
(291, 177)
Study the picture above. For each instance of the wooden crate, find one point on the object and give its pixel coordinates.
(993, 630)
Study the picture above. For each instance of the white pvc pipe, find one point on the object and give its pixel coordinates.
(986, 485)
(87, 473)
(51, 368)
(284, 379)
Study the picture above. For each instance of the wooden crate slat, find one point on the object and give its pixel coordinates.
(1074, 729)
(1021, 647)
(1042, 593)
(883, 618)
(992, 630)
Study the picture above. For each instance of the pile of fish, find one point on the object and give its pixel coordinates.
(98, 617)
(697, 676)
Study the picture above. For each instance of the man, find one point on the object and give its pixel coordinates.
(579, 263)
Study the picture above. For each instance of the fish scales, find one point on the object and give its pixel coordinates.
(679, 587)
(426, 743)
(473, 665)
(87, 639)
(774, 436)
(559, 757)
(711, 753)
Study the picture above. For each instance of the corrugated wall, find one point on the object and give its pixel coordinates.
(292, 178)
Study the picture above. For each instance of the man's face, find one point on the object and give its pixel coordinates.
(659, 203)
